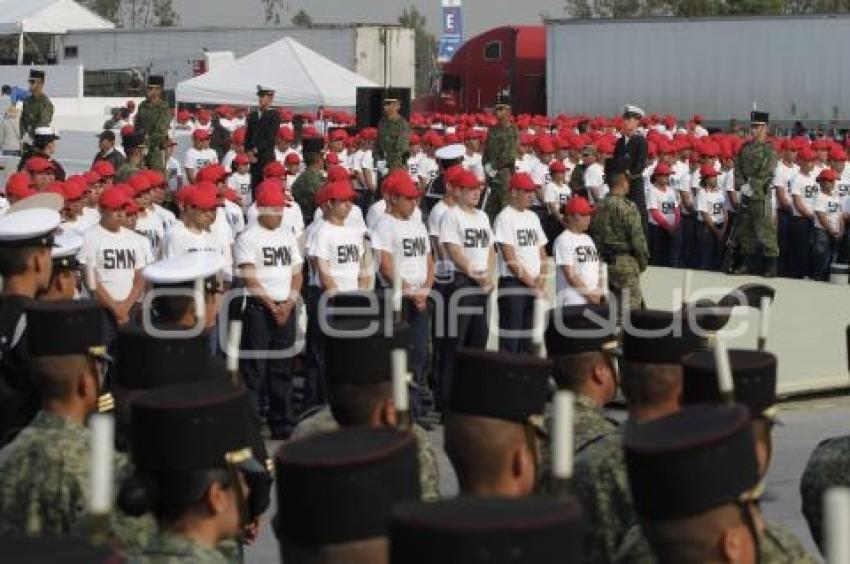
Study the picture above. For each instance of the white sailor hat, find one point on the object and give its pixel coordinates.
(263, 89)
(29, 228)
(66, 246)
(184, 269)
(631, 110)
(450, 152)
(46, 132)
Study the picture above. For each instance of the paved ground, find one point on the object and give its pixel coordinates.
(805, 424)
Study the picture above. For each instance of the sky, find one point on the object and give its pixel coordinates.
(478, 15)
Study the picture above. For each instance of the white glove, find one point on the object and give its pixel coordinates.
(489, 170)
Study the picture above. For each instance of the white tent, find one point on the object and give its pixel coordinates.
(301, 77)
(54, 17)
(47, 16)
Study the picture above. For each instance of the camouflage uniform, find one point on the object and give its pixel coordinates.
(777, 546)
(37, 112)
(601, 484)
(755, 226)
(124, 173)
(304, 192)
(322, 421)
(500, 152)
(828, 466)
(168, 548)
(393, 143)
(618, 233)
(44, 483)
(152, 121)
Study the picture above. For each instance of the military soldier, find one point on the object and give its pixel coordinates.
(308, 182)
(393, 145)
(584, 363)
(194, 469)
(37, 111)
(651, 383)
(26, 238)
(754, 380)
(44, 472)
(261, 133)
(630, 156)
(336, 492)
(472, 530)
(153, 119)
(617, 231)
(495, 418)
(358, 373)
(65, 278)
(500, 151)
(756, 231)
(134, 147)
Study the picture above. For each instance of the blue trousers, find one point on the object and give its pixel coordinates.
(664, 247)
(516, 313)
(783, 237)
(689, 249)
(710, 248)
(315, 390)
(417, 353)
(269, 380)
(800, 256)
(823, 252)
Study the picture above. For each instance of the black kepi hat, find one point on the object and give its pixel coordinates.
(156, 80)
(658, 337)
(759, 118)
(359, 351)
(66, 327)
(36, 74)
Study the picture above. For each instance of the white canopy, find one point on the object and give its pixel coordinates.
(47, 16)
(301, 78)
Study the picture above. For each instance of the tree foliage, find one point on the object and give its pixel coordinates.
(302, 19)
(136, 13)
(425, 45)
(699, 8)
(271, 11)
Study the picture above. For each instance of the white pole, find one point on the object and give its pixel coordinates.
(724, 370)
(538, 320)
(21, 47)
(396, 289)
(200, 302)
(398, 360)
(233, 346)
(562, 436)
(764, 322)
(100, 463)
(836, 541)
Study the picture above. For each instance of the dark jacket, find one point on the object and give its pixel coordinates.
(261, 134)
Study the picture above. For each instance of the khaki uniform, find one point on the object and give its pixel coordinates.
(500, 152)
(37, 111)
(754, 168)
(322, 421)
(44, 484)
(152, 121)
(393, 143)
(617, 230)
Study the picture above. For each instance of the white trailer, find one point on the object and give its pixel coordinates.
(385, 54)
(793, 67)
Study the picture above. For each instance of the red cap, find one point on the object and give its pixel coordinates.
(91, 177)
(270, 194)
(827, 175)
(292, 159)
(55, 187)
(140, 184)
(545, 146)
(837, 154)
(232, 195)
(662, 169)
(466, 180)
(414, 139)
(200, 135)
(239, 136)
(75, 190)
(214, 173)
(340, 190)
(578, 205)
(274, 170)
(821, 144)
(337, 173)
(285, 133)
(155, 177)
(405, 186)
(332, 158)
(338, 135)
(807, 155)
(707, 171)
(36, 165)
(241, 159)
(369, 133)
(114, 198)
(182, 195)
(522, 181)
(452, 174)
(202, 197)
(18, 186)
(131, 208)
(557, 166)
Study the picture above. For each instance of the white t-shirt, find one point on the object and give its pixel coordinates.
(442, 267)
(179, 241)
(842, 184)
(806, 186)
(579, 251)
(342, 247)
(711, 202)
(292, 221)
(151, 226)
(275, 256)
(167, 216)
(594, 176)
(413, 165)
(428, 169)
(174, 174)
(830, 205)
(354, 219)
(115, 257)
(474, 164)
(557, 194)
(378, 211)
(367, 164)
(196, 160)
(89, 218)
(680, 181)
(471, 231)
(227, 160)
(407, 241)
(233, 215)
(521, 230)
(241, 184)
(665, 201)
